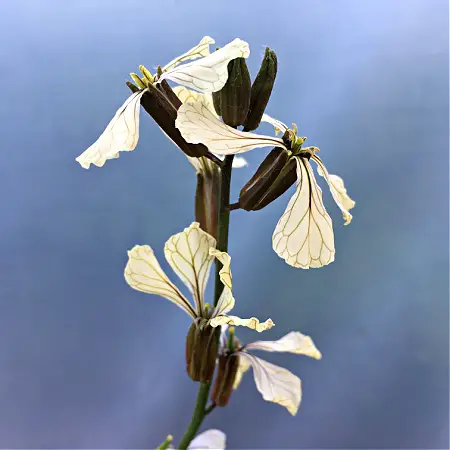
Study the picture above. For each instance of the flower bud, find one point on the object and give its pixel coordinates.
(165, 114)
(223, 385)
(202, 346)
(235, 95)
(207, 196)
(257, 187)
(261, 90)
(216, 102)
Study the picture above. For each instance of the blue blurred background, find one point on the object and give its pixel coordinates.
(85, 361)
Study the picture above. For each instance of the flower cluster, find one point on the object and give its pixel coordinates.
(201, 116)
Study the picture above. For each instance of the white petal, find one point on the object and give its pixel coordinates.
(198, 125)
(244, 365)
(121, 134)
(293, 342)
(304, 235)
(275, 383)
(337, 189)
(201, 49)
(188, 255)
(210, 73)
(253, 323)
(279, 126)
(144, 274)
(226, 300)
(239, 162)
(210, 439)
(186, 95)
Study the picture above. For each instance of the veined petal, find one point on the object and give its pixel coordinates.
(201, 49)
(210, 439)
(275, 383)
(253, 323)
(197, 124)
(226, 300)
(121, 134)
(210, 73)
(144, 274)
(304, 235)
(186, 95)
(188, 255)
(293, 342)
(337, 189)
(279, 126)
(244, 365)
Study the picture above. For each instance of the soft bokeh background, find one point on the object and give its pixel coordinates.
(87, 362)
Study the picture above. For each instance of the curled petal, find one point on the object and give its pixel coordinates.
(275, 383)
(197, 124)
(337, 189)
(188, 255)
(304, 235)
(210, 439)
(244, 365)
(210, 73)
(121, 134)
(293, 342)
(226, 300)
(144, 274)
(201, 49)
(186, 95)
(253, 323)
(279, 126)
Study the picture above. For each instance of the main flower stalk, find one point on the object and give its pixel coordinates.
(222, 244)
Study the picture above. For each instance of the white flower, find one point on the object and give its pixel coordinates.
(208, 74)
(203, 164)
(275, 383)
(190, 254)
(210, 439)
(304, 235)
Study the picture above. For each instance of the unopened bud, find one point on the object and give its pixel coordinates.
(207, 197)
(146, 73)
(216, 102)
(258, 185)
(165, 114)
(261, 90)
(223, 385)
(235, 95)
(140, 83)
(202, 346)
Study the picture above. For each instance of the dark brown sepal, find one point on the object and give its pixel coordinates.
(168, 92)
(202, 346)
(258, 185)
(223, 385)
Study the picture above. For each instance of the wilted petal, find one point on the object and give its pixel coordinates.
(201, 49)
(210, 73)
(337, 189)
(304, 235)
(144, 274)
(279, 126)
(253, 323)
(293, 342)
(275, 383)
(197, 124)
(121, 134)
(188, 255)
(210, 439)
(226, 299)
(244, 365)
(186, 95)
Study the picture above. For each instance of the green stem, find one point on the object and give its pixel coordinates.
(200, 410)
